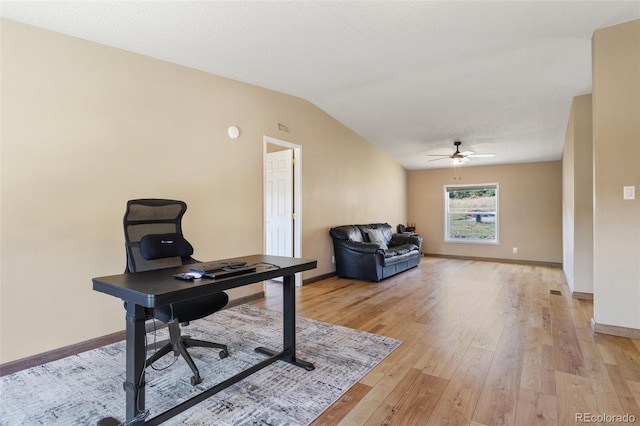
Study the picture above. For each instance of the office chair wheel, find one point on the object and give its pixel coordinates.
(196, 380)
(223, 354)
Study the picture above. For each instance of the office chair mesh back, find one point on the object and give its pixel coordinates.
(149, 221)
(151, 216)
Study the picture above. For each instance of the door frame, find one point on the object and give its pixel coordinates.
(297, 196)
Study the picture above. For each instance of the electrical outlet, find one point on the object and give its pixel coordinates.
(333, 259)
(515, 250)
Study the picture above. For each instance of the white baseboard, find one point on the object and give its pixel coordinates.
(632, 333)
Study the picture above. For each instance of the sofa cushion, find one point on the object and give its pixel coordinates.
(376, 236)
(399, 250)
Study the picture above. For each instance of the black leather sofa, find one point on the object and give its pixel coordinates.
(373, 252)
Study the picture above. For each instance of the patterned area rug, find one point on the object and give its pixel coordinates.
(82, 389)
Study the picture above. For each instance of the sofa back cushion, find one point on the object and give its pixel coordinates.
(384, 228)
(347, 232)
(360, 233)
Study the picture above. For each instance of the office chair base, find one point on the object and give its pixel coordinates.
(178, 344)
(195, 380)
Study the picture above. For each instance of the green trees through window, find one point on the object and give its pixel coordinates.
(471, 213)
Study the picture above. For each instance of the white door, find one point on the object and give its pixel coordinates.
(279, 203)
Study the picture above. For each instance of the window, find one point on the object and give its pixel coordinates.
(471, 213)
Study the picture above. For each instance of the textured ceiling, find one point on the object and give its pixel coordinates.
(410, 77)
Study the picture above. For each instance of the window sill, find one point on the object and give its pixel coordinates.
(470, 241)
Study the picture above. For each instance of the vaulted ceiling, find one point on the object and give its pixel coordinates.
(409, 76)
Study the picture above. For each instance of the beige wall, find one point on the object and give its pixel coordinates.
(577, 197)
(86, 127)
(616, 132)
(530, 210)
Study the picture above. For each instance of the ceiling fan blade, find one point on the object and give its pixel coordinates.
(459, 157)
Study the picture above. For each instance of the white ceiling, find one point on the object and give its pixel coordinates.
(409, 76)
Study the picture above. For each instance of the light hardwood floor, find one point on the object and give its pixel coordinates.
(484, 343)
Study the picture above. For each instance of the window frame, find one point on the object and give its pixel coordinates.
(458, 187)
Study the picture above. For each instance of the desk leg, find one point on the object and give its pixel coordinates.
(289, 323)
(136, 357)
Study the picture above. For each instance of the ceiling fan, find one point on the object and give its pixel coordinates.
(459, 157)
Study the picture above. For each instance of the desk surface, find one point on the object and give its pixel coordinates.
(159, 287)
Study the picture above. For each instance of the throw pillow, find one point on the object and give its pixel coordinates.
(376, 236)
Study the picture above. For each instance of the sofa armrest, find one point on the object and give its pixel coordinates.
(359, 260)
(400, 239)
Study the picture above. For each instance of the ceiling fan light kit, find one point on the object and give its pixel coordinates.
(459, 161)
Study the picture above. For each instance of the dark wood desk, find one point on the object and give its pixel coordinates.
(157, 288)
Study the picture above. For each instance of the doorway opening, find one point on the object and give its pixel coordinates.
(282, 204)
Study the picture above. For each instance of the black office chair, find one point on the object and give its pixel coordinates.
(154, 240)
